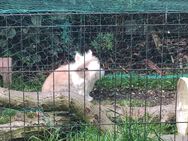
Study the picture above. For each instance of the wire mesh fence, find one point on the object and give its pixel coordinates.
(128, 63)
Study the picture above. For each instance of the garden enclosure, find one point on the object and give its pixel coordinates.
(141, 45)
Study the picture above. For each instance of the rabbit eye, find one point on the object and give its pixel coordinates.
(83, 69)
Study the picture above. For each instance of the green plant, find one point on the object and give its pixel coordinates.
(38, 47)
(21, 82)
(9, 112)
(127, 129)
(103, 42)
(134, 130)
(6, 114)
(4, 119)
(52, 134)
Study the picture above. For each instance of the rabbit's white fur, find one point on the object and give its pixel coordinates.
(80, 75)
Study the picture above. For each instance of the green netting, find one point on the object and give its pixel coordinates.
(90, 6)
(150, 76)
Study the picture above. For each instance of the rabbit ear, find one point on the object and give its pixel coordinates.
(89, 52)
(77, 57)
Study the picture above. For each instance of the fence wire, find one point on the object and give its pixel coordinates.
(142, 54)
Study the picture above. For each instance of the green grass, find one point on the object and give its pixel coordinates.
(6, 114)
(9, 112)
(130, 130)
(48, 135)
(21, 83)
(136, 81)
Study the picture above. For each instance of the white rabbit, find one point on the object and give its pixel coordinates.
(80, 75)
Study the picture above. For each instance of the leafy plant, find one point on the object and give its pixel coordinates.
(35, 47)
(103, 42)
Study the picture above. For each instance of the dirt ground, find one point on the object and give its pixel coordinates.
(152, 97)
